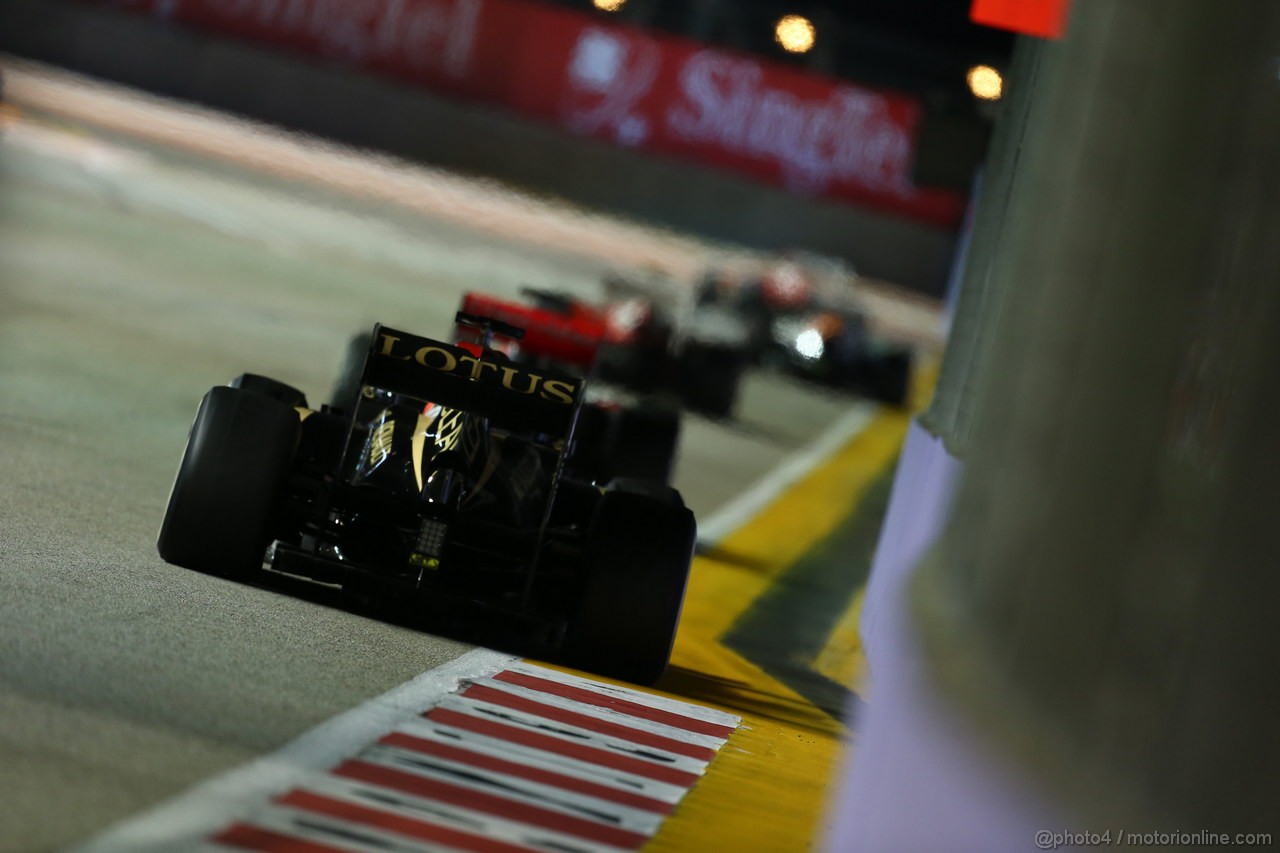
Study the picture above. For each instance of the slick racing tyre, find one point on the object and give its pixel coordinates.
(632, 366)
(649, 488)
(230, 482)
(593, 438)
(347, 386)
(636, 567)
(644, 444)
(272, 388)
(891, 379)
(612, 441)
(710, 377)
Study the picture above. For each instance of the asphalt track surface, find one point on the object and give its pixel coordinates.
(131, 280)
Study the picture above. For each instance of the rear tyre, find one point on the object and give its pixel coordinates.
(645, 444)
(346, 388)
(593, 437)
(272, 388)
(891, 379)
(229, 485)
(650, 488)
(636, 567)
(630, 365)
(710, 377)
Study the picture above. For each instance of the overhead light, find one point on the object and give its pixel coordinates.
(794, 33)
(609, 5)
(985, 82)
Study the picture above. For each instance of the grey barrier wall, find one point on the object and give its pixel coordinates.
(1103, 601)
(369, 111)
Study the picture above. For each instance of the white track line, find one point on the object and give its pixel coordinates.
(627, 694)
(343, 786)
(495, 748)
(603, 714)
(206, 807)
(518, 788)
(454, 817)
(570, 734)
(746, 506)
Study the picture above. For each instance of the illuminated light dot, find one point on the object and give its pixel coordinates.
(609, 5)
(809, 344)
(794, 33)
(985, 82)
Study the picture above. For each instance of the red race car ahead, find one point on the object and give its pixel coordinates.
(628, 341)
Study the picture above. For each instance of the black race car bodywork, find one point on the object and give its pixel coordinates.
(611, 440)
(795, 330)
(837, 349)
(445, 476)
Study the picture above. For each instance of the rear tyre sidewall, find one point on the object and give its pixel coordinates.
(272, 388)
(710, 377)
(632, 366)
(636, 567)
(226, 497)
(594, 438)
(645, 444)
(891, 379)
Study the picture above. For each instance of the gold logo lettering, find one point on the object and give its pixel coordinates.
(448, 363)
(508, 377)
(558, 390)
(477, 365)
(388, 343)
(477, 368)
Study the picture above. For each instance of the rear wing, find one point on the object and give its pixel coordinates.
(570, 338)
(510, 395)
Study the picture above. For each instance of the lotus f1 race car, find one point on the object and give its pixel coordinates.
(446, 476)
(630, 341)
(611, 440)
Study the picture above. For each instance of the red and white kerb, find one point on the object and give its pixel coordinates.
(525, 759)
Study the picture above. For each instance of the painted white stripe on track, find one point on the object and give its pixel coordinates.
(751, 502)
(627, 694)
(179, 823)
(366, 810)
(345, 835)
(454, 817)
(516, 788)
(605, 715)
(575, 735)
(497, 748)
(396, 802)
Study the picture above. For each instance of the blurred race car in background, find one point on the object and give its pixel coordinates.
(787, 322)
(631, 339)
(446, 475)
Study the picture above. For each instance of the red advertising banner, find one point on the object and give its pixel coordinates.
(652, 92)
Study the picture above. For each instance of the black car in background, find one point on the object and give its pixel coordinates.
(787, 323)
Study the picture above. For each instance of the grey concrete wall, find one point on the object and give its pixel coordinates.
(369, 111)
(1103, 602)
